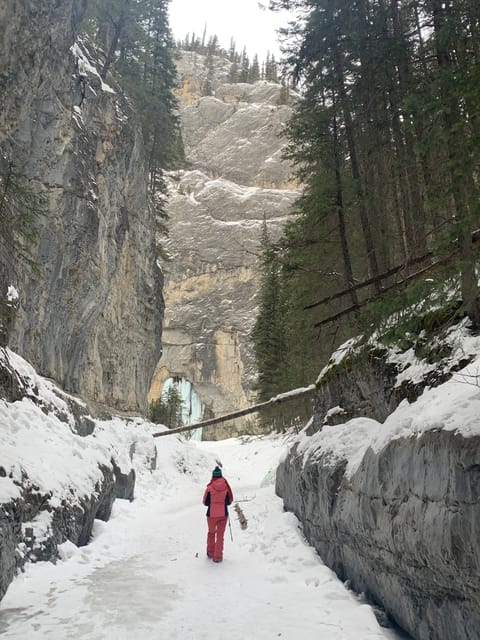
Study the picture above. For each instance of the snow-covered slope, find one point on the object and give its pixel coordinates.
(59, 468)
(394, 508)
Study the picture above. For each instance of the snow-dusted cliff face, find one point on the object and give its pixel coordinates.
(233, 142)
(90, 316)
(388, 490)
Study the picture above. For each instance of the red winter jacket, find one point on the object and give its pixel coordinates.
(217, 497)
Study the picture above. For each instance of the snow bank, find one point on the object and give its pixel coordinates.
(145, 574)
(347, 441)
(452, 406)
(47, 464)
(350, 347)
(43, 449)
(35, 386)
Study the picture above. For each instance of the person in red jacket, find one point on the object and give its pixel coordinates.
(218, 495)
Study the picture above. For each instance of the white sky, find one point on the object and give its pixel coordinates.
(244, 20)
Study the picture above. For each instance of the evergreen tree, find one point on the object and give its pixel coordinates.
(270, 68)
(386, 141)
(254, 71)
(21, 208)
(168, 410)
(268, 333)
(213, 47)
(210, 67)
(232, 53)
(233, 73)
(138, 46)
(244, 67)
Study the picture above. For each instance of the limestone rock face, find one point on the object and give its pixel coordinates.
(403, 529)
(236, 135)
(90, 316)
(216, 215)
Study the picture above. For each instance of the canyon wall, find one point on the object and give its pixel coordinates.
(388, 491)
(90, 311)
(237, 180)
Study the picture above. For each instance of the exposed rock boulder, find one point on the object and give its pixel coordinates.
(31, 530)
(90, 317)
(124, 483)
(403, 529)
(371, 380)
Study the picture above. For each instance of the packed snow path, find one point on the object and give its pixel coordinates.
(145, 574)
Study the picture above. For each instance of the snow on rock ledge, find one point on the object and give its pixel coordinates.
(55, 479)
(394, 507)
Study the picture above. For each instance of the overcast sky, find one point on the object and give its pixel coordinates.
(244, 20)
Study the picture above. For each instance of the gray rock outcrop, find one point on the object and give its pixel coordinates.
(238, 179)
(365, 383)
(403, 527)
(236, 135)
(90, 315)
(21, 542)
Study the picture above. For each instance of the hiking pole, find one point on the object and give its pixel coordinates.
(230, 527)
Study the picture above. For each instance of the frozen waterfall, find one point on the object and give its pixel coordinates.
(192, 406)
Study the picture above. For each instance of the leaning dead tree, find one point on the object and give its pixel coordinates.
(283, 397)
(433, 264)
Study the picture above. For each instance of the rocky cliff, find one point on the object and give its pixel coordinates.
(90, 313)
(233, 143)
(391, 500)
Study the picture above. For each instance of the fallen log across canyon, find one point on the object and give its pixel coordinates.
(282, 397)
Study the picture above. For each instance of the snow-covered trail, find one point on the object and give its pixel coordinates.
(145, 574)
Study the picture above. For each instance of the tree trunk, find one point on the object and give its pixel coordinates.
(341, 216)
(273, 402)
(352, 149)
(118, 28)
(416, 209)
(460, 171)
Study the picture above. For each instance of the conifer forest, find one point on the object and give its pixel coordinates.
(386, 143)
